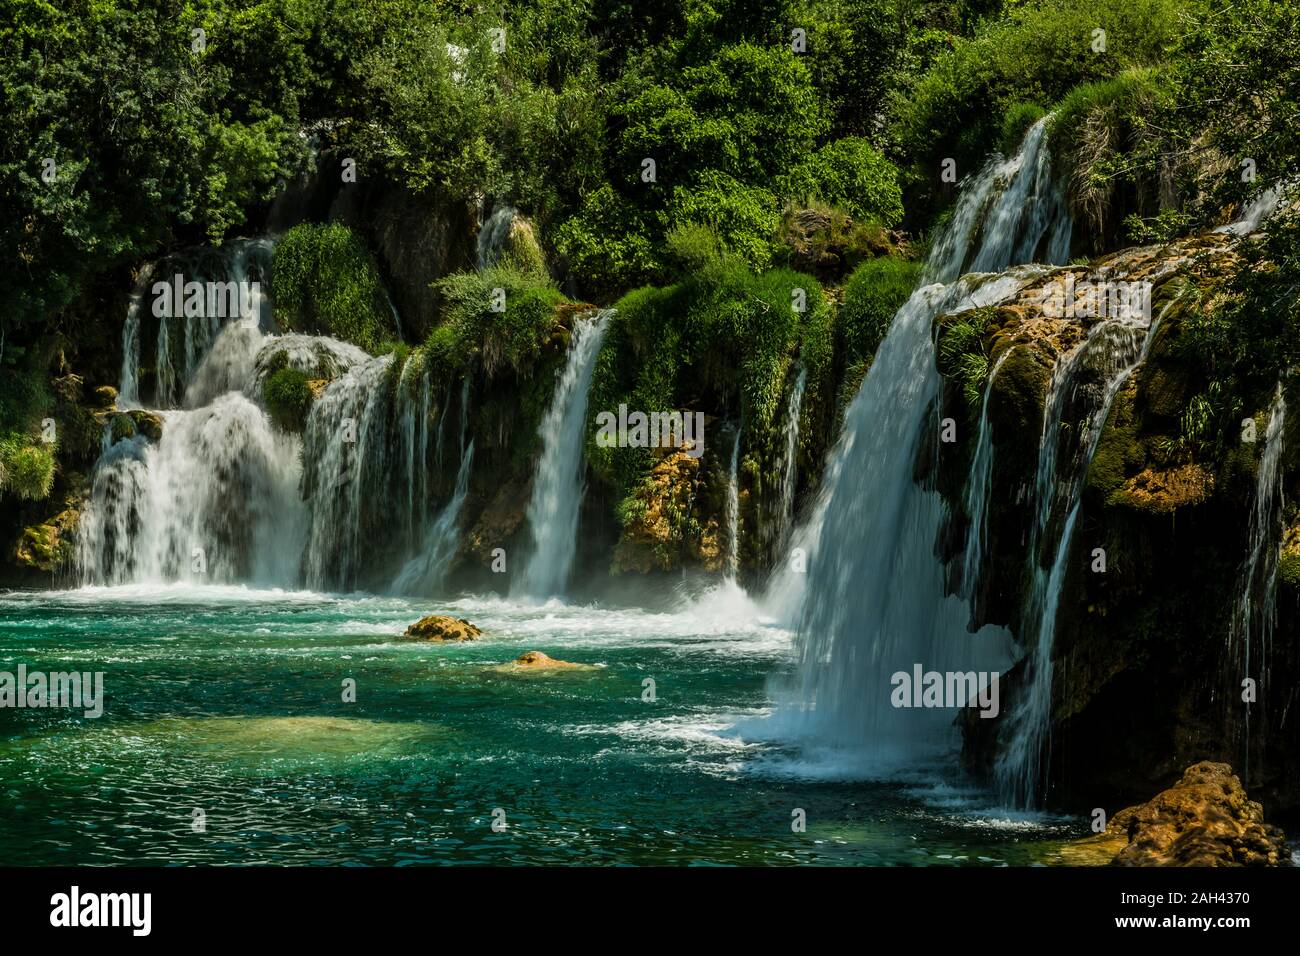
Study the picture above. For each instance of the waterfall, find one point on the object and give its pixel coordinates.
(978, 487)
(1264, 205)
(874, 600)
(413, 444)
(790, 473)
(426, 571)
(345, 472)
(1110, 353)
(181, 343)
(1254, 612)
(732, 563)
(215, 500)
(128, 389)
(492, 236)
(558, 484)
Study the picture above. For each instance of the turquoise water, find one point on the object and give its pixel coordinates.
(229, 701)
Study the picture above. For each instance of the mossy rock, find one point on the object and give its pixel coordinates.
(1019, 391)
(1165, 390)
(105, 396)
(1163, 491)
(47, 547)
(522, 251)
(123, 427)
(147, 423)
(288, 395)
(1120, 454)
(440, 628)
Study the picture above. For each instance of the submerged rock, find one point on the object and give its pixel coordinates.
(442, 628)
(537, 661)
(1205, 819)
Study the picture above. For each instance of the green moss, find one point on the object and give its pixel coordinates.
(325, 280)
(288, 398)
(123, 427)
(1120, 453)
(1288, 568)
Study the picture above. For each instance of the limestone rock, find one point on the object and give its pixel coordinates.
(105, 396)
(147, 423)
(48, 546)
(537, 661)
(1205, 819)
(441, 628)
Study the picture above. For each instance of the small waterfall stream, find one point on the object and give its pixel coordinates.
(426, 572)
(128, 389)
(978, 487)
(558, 482)
(1254, 614)
(790, 473)
(731, 563)
(1111, 352)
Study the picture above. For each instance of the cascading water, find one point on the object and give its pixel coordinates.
(978, 487)
(243, 262)
(731, 565)
(345, 469)
(492, 236)
(789, 473)
(1109, 354)
(426, 572)
(874, 600)
(1254, 613)
(128, 390)
(558, 483)
(215, 499)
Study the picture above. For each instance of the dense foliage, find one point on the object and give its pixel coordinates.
(694, 161)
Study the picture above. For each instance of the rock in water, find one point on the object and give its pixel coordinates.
(1203, 820)
(538, 661)
(441, 628)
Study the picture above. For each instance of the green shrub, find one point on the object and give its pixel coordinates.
(1016, 123)
(744, 218)
(608, 244)
(1035, 53)
(505, 337)
(853, 174)
(873, 294)
(1101, 137)
(325, 280)
(288, 398)
(26, 469)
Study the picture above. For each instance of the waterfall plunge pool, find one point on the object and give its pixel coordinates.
(228, 700)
